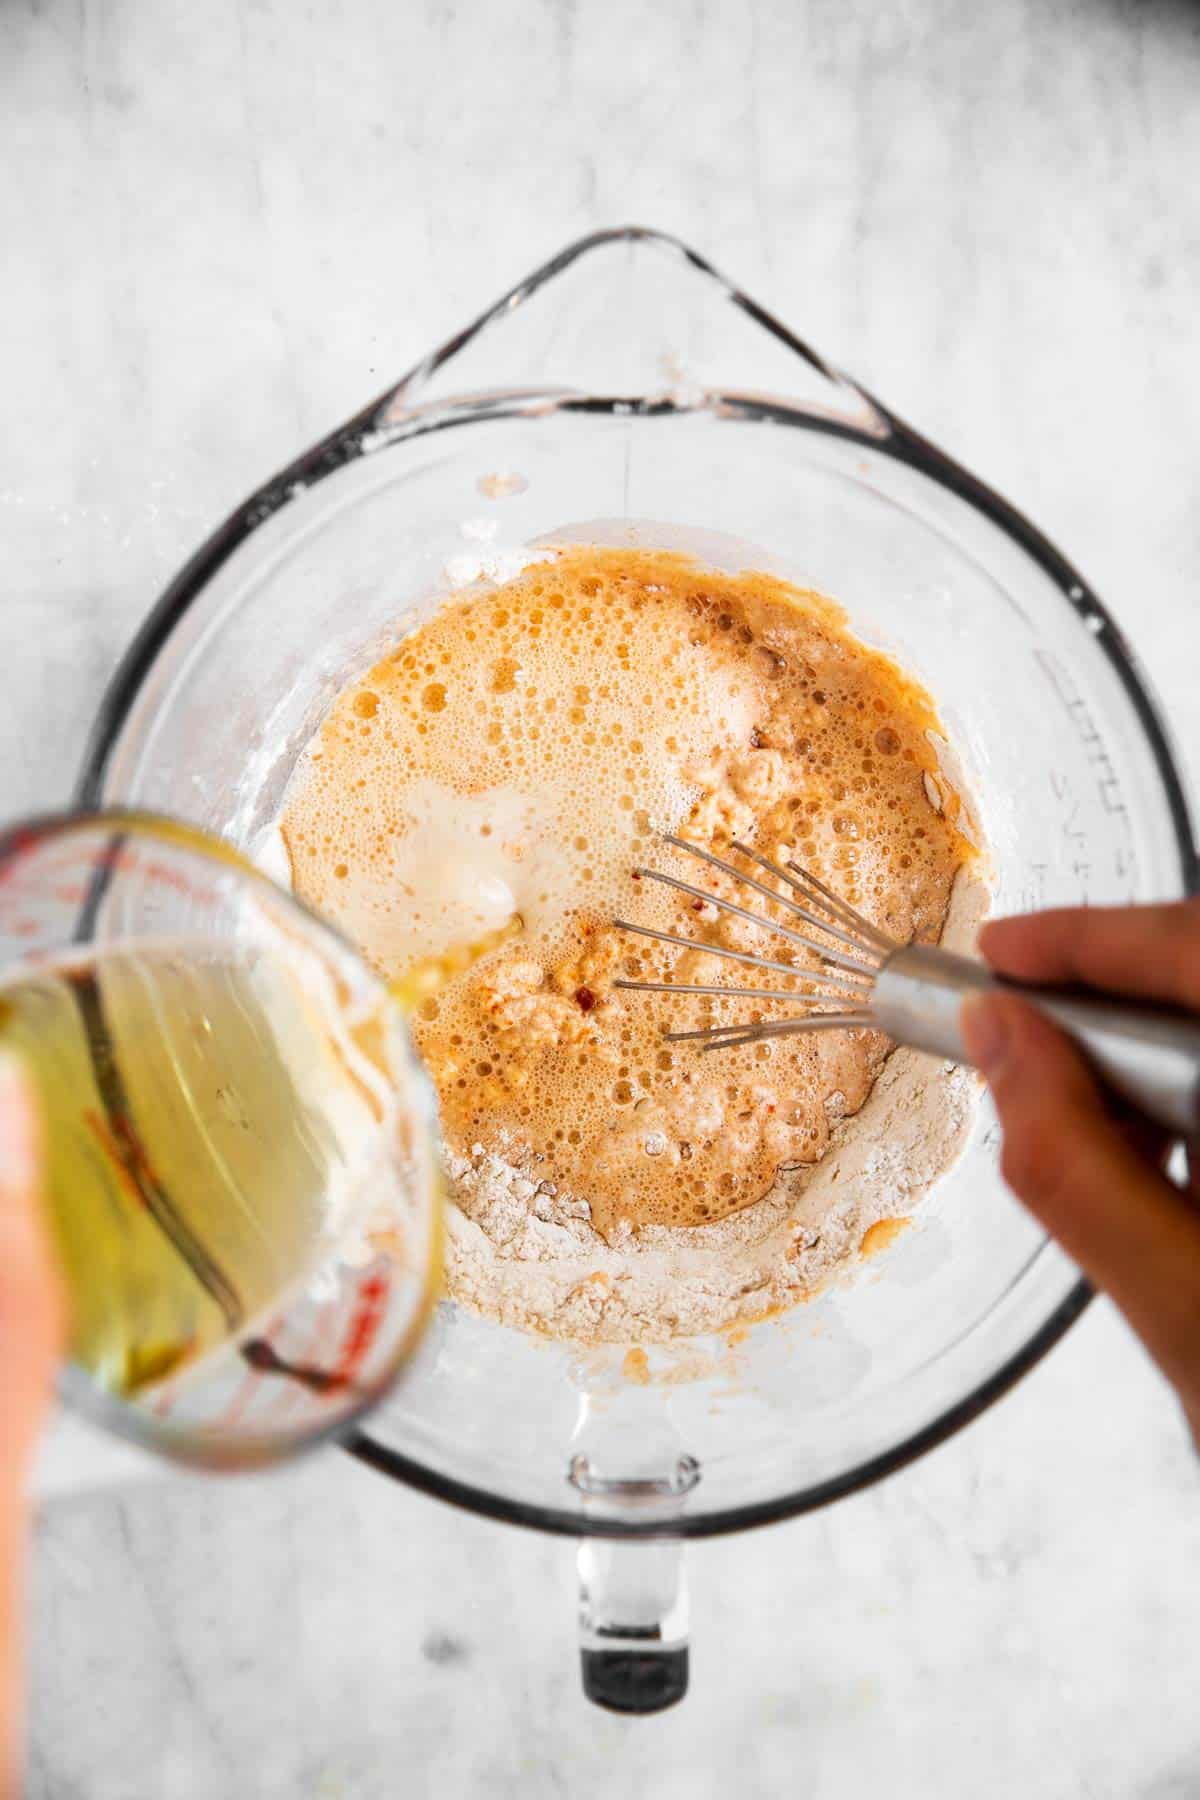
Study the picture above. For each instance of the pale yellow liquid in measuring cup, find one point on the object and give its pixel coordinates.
(207, 1122)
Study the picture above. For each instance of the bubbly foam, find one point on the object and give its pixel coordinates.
(518, 756)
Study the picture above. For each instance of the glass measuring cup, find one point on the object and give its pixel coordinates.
(626, 392)
(240, 1158)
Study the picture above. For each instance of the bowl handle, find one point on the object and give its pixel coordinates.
(633, 1609)
(633, 1623)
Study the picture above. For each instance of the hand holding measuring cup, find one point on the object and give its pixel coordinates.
(240, 1158)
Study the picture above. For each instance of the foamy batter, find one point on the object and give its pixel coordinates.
(511, 764)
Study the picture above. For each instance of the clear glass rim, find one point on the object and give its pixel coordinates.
(385, 422)
(75, 1386)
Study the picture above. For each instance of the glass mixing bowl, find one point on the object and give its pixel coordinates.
(626, 392)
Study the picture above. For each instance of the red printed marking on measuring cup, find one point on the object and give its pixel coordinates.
(370, 1307)
(114, 1154)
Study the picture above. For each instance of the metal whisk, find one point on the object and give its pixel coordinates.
(914, 992)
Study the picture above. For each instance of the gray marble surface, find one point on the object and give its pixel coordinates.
(225, 227)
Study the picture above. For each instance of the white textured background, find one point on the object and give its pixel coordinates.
(225, 226)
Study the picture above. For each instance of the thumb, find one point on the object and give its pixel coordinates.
(1125, 1225)
(30, 1306)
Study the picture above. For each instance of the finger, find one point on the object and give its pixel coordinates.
(30, 1313)
(1148, 950)
(29, 1329)
(1125, 1225)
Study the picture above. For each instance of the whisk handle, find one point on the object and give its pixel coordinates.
(1148, 1055)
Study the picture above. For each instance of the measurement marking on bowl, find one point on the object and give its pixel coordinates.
(1108, 786)
(1086, 730)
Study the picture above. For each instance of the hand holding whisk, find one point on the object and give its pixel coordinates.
(1149, 1055)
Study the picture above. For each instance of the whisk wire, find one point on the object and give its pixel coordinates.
(854, 943)
(838, 994)
(742, 956)
(838, 957)
(780, 1028)
(843, 987)
(843, 909)
(817, 894)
